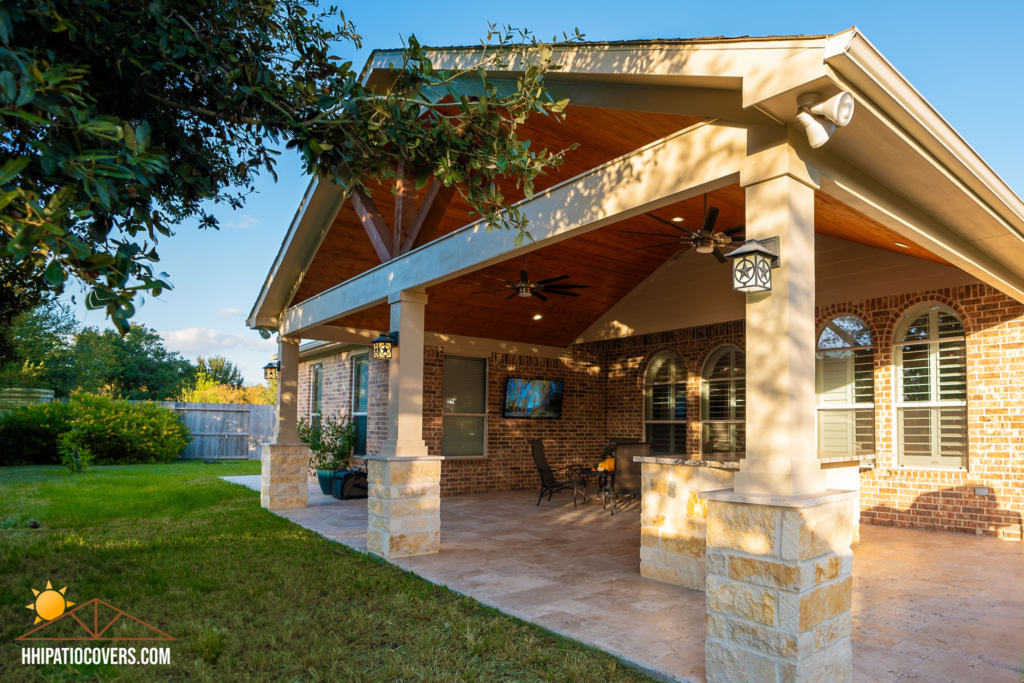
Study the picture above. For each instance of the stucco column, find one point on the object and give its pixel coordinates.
(780, 452)
(283, 463)
(287, 391)
(405, 377)
(404, 502)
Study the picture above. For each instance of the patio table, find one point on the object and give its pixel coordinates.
(600, 476)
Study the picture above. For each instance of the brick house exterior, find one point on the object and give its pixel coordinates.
(604, 399)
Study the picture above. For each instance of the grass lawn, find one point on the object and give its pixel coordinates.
(249, 595)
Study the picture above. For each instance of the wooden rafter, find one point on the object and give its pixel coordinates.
(429, 216)
(405, 207)
(373, 223)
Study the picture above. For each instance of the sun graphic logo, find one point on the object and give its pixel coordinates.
(49, 603)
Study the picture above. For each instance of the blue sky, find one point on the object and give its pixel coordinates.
(964, 57)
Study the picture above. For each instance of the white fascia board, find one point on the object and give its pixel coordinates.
(703, 59)
(853, 57)
(320, 205)
(697, 159)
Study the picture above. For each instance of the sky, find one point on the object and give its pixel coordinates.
(964, 57)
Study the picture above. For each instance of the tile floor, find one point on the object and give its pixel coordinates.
(927, 607)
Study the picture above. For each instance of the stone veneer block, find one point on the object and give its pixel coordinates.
(404, 506)
(673, 520)
(779, 588)
(283, 477)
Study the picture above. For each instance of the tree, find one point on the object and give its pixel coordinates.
(42, 350)
(133, 366)
(120, 119)
(220, 370)
(20, 292)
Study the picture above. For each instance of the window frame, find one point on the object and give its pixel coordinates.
(705, 386)
(648, 386)
(485, 415)
(353, 394)
(934, 406)
(316, 389)
(854, 407)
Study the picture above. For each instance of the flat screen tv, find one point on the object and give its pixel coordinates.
(533, 399)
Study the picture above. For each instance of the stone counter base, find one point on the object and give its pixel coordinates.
(283, 476)
(404, 507)
(673, 521)
(779, 588)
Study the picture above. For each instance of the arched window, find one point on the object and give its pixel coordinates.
(845, 388)
(723, 405)
(665, 405)
(931, 388)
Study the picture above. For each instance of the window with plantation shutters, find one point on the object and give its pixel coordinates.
(360, 399)
(724, 405)
(665, 405)
(464, 409)
(931, 389)
(316, 389)
(845, 388)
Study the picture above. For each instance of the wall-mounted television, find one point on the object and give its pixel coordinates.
(533, 399)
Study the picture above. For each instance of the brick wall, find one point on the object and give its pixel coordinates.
(337, 385)
(604, 399)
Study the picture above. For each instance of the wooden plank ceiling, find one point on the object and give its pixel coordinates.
(605, 259)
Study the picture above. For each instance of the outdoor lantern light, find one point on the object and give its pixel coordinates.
(752, 265)
(382, 345)
(270, 371)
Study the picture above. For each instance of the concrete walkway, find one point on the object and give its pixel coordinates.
(927, 607)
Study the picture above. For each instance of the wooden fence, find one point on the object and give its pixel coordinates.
(225, 431)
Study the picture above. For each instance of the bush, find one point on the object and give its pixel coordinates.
(113, 432)
(31, 435)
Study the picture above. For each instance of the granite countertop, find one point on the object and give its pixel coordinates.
(868, 460)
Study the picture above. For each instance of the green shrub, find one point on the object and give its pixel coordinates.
(31, 435)
(113, 432)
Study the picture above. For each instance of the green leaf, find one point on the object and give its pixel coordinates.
(422, 176)
(54, 274)
(142, 133)
(518, 241)
(129, 139)
(9, 85)
(27, 94)
(12, 167)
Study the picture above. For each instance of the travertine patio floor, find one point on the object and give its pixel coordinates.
(927, 607)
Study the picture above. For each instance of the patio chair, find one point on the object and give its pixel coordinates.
(552, 479)
(625, 481)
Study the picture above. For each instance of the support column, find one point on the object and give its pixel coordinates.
(284, 462)
(780, 451)
(404, 480)
(778, 558)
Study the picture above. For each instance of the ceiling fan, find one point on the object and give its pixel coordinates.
(703, 241)
(525, 288)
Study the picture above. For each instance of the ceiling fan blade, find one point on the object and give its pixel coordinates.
(719, 255)
(669, 223)
(634, 232)
(554, 279)
(684, 252)
(550, 287)
(556, 291)
(540, 296)
(652, 246)
(523, 277)
(709, 220)
(736, 230)
(512, 295)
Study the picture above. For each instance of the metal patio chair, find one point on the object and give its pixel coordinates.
(625, 482)
(551, 478)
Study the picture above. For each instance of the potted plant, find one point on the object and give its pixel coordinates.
(330, 446)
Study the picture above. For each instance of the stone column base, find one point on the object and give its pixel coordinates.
(283, 475)
(779, 587)
(404, 506)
